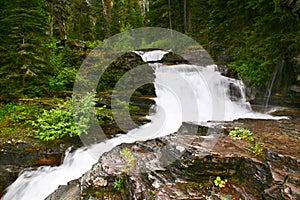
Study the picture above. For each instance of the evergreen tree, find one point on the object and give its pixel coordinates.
(270, 38)
(81, 20)
(126, 15)
(24, 24)
(100, 29)
(59, 13)
(198, 12)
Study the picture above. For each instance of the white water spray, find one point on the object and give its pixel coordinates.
(185, 93)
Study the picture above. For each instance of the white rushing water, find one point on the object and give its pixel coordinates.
(185, 93)
(149, 56)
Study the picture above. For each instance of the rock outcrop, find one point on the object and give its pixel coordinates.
(185, 166)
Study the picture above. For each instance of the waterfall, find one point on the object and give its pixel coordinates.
(149, 56)
(279, 66)
(185, 93)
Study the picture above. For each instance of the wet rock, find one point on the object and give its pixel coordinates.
(174, 167)
(66, 192)
(17, 156)
(173, 59)
(197, 55)
(185, 164)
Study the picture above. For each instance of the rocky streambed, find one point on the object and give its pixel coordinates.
(186, 166)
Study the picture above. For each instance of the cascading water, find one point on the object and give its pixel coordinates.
(185, 93)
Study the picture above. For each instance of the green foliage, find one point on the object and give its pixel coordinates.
(55, 123)
(81, 21)
(13, 120)
(256, 149)
(59, 11)
(58, 122)
(19, 113)
(125, 15)
(122, 106)
(65, 63)
(130, 160)
(104, 114)
(219, 182)
(22, 57)
(93, 44)
(241, 134)
(119, 183)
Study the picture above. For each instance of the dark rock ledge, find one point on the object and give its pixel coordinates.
(180, 166)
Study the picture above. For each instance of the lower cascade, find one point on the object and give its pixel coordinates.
(185, 93)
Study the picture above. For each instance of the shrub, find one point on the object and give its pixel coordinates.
(59, 122)
(55, 123)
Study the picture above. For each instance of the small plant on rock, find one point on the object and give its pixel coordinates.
(241, 134)
(130, 161)
(219, 182)
(256, 149)
(119, 183)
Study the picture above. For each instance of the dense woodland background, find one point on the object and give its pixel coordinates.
(42, 43)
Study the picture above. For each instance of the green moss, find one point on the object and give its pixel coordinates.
(14, 118)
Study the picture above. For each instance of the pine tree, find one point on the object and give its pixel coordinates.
(81, 21)
(24, 25)
(59, 13)
(126, 15)
(100, 29)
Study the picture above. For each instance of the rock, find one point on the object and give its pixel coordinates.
(66, 192)
(178, 167)
(173, 59)
(197, 55)
(17, 156)
(183, 166)
(77, 44)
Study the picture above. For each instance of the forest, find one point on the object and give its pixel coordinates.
(43, 44)
(39, 39)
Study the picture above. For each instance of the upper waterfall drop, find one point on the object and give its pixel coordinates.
(150, 56)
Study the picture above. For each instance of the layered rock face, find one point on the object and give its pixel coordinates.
(184, 166)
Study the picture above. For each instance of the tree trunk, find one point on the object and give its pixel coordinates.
(184, 16)
(51, 19)
(106, 5)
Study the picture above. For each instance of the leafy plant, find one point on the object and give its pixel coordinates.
(55, 123)
(103, 114)
(122, 106)
(241, 134)
(65, 63)
(256, 149)
(119, 183)
(219, 182)
(13, 120)
(58, 122)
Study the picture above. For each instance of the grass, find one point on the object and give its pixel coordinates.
(14, 118)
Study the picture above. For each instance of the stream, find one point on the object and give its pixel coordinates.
(185, 93)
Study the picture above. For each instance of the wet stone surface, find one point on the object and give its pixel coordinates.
(29, 154)
(185, 166)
